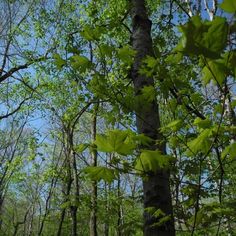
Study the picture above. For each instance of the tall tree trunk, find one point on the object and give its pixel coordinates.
(119, 220)
(73, 213)
(1, 208)
(67, 189)
(156, 187)
(74, 206)
(93, 214)
(106, 226)
(47, 204)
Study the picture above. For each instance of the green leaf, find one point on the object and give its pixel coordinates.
(201, 143)
(148, 93)
(102, 144)
(152, 161)
(216, 37)
(80, 63)
(142, 139)
(149, 65)
(115, 141)
(81, 147)
(98, 173)
(151, 62)
(229, 6)
(233, 104)
(174, 125)
(174, 58)
(173, 142)
(126, 54)
(106, 50)
(92, 34)
(59, 62)
(65, 205)
(162, 221)
(207, 38)
(202, 123)
(229, 150)
(230, 62)
(214, 70)
(73, 50)
(157, 213)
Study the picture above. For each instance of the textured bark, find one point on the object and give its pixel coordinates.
(156, 186)
(47, 205)
(119, 220)
(1, 208)
(94, 154)
(74, 208)
(106, 226)
(67, 189)
(73, 212)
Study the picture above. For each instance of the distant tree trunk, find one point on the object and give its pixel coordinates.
(73, 212)
(74, 206)
(67, 189)
(93, 214)
(47, 204)
(16, 226)
(156, 187)
(73, 179)
(106, 226)
(1, 208)
(31, 221)
(119, 221)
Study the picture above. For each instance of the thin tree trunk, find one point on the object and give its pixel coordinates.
(73, 212)
(156, 187)
(16, 226)
(93, 214)
(106, 227)
(61, 222)
(1, 207)
(74, 206)
(30, 226)
(47, 205)
(67, 193)
(119, 221)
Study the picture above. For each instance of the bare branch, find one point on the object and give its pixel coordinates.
(20, 67)
(16, 109)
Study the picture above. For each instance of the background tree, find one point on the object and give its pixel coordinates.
(60, 59)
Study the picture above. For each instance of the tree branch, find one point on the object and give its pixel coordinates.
(20, 67)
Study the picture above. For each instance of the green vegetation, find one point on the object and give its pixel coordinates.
(117, 117)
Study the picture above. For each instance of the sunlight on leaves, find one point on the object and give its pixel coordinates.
(98, 173)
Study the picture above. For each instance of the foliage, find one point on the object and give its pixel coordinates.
(62, 59)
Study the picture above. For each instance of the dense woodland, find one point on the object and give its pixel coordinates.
(117, 117)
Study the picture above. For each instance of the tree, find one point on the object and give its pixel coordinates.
(157, 82)
(156, 186)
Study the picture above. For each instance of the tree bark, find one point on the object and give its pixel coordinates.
(156, 187)
(67, 186)
(119, 220)
(1, 207)
(47, 204)
(74, 206)
(106, 226)
(93, 214)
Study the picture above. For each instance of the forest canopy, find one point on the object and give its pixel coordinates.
(117, 117)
